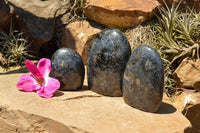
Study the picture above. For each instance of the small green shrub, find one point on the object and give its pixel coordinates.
(177, 37)
(76, 10)
(177, 33)
(14, 48)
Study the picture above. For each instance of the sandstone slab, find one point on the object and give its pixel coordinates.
(35, 18)
(13, 121)
(187, 75)
(189, 103)
(121, 13)
(186, 99)
(128, 13)
(192, 113)
(79, 35)
(91, 112)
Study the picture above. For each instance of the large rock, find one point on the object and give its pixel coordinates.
(87, 111)
(121, 13)
(79, 35)
(6, 15)
(187, 75)
(35, 18)
(189, 103)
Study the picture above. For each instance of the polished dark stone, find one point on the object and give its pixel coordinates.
(68, 68)
(106, 61)
(144, 80)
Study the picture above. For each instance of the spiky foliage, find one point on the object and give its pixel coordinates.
(77, 7)
(75, 10)
(177, 33)
(177, 37)
(14, 48)
(147, 35)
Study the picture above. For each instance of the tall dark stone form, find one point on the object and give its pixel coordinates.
(68, 68)
(143, 80)
(106, 61)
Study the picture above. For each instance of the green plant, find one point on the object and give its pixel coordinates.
(177, 37)
(75, 10)
(146, 35)
(176, 33)
(14, 48)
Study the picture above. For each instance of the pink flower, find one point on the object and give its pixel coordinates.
(39, 80)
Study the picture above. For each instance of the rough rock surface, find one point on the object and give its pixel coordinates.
(79, 35)
(143, 79)
(186, 99)
(106, 62)
(121, 13)
(189, 103)
(87, 111)
(35, 18)
(6, 15)
(128, 13)
(13, 121)
(187, 75)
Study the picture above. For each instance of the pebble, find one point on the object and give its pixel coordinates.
(67, 66)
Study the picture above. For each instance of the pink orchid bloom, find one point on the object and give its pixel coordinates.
(39, 79)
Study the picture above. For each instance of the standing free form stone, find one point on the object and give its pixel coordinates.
(68, 68)
(106, 61)
(144, 79)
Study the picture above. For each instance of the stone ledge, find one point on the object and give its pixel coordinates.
(92, 112)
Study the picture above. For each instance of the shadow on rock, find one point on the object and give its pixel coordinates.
(20, 70)
(39, 30)
(15, 120)
(166, 108)
(84, 88)
(193, 115)
(58, 93)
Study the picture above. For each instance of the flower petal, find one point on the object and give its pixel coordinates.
(34, 70)
(49, 88)
(27, 83)
(44, 66)
(42, 94)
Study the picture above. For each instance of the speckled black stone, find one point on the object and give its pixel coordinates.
(106, 61)
(68, 68)
(144, 80)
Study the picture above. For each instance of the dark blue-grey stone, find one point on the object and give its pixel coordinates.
(106, 61)
(67, 66)
(143, 79)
